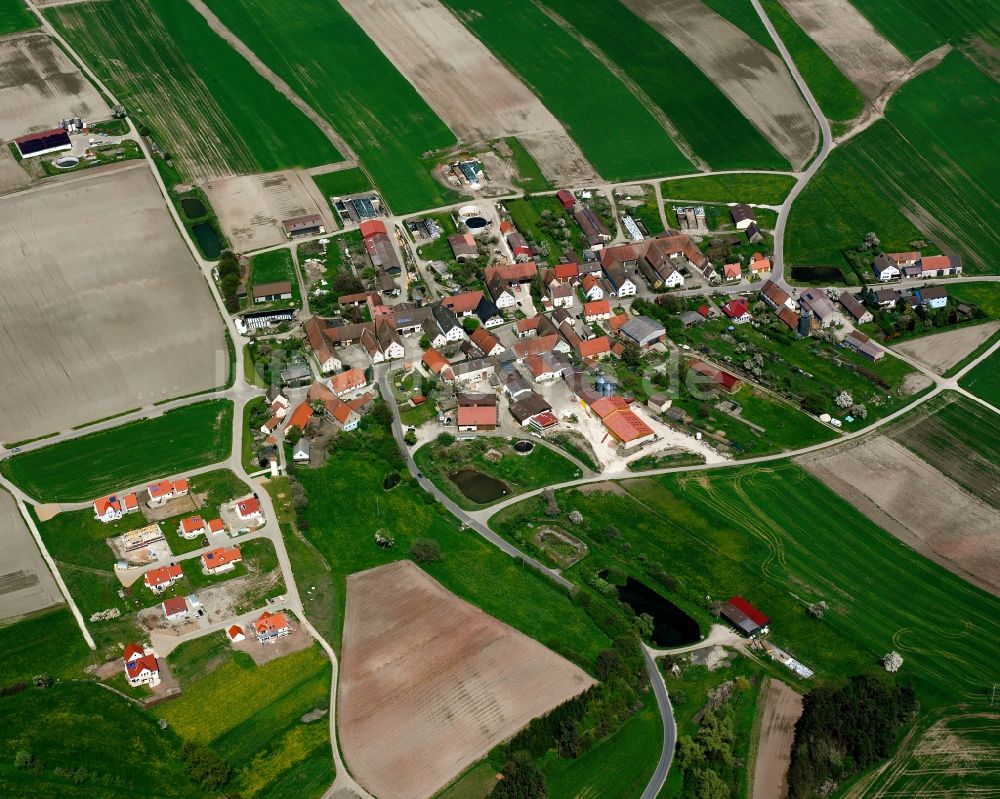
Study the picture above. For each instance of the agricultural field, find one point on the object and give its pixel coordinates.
(26, 584)
(83, 468)
(941, 352)
(744, 16)
(15, 17)
(838, 98)
(163, 61)
(331, 64)
(60, 344)
(677, 89)
(530, 177)
(419, 706)
(759, 188)
(638, 144)
(49, 640)
(984, 380)
(341, 183)
(885, 179)
(261, 735)
(540, 467)
(272, 267)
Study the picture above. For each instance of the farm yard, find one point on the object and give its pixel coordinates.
(882, 180)
(638, 144)
(40, 85)
(86, 467)
(65, 335)
(26, 584)
(760, 188)
(430, 683)
(164, 62)
(754, 79)
(331, 64)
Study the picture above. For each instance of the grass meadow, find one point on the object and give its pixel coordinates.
(704, 117)
(15, 17)
(272, 267)
(555, 66)
(838, 98)
(49, 642)
(530, 177)
(332, 64)
(204, 101)
(759, 188)
(984, 380)
(95, 464)
(342, 182)
(925, 172)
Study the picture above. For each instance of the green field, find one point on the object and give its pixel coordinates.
(760, 188)
(530, 177)
(539, 468)
(935, 163)
(688, 98)
(95, 464)
(271, 267)
(984, 380)
(742, 14)
(15, 17)
(342, 182)
(331, 64)
(636, 145)
(49, 641)
(205, 102)
(838, 98)
(271, 751)
(918, 26)
(537, 219)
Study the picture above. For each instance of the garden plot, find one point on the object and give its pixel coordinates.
(751, 76)
(251, 207)
(780, 709)
(917, 504)
(868, 59)
(465, 84)
(26, 585)
(941, 351)
(40, 86)
(125, 321)
(429, 683)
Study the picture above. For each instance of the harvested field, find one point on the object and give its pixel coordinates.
(917, 504)
(26, 584)
(780, 709)
(12, 174)
(39, 86)
(126, 321)
(941, 351)
(465, 84)
(869, 60)
(250, 208)
(429, 683)
(751, 76)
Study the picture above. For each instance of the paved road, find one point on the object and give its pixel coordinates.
(659, 776)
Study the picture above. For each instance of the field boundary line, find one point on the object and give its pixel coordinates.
(55, 573)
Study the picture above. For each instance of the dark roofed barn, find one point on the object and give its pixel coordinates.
(48, 141)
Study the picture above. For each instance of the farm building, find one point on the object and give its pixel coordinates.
(463, 246)
(775, 296)
(721, 378)
(477, 412)
(854, 307)
(743, 215)
(643, 331)
(43, 143)
(379, 246)
(271, 292)
(566, 199)
(594, 230)
(864, 346)
(310, 225)
(745, 617)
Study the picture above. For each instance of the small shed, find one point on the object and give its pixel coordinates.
(300, 453)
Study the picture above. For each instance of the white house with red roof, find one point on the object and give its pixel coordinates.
(111, 508)
(141, 667)
(192, 527)
(163, 491)
(235, 634)
(216, 526)
(221, 559)
(161, 578)
(271, 626)
(738, 311)
(175, 608)
(249, 510)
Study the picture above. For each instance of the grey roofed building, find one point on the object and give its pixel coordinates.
(817, 302)
(487, 313)
(854, 307)
(511, 381)
(411, 318)
(690, 318)
(296, 373)
(386, 283)
(531, 404)
(753, 233)
(445, 318)
(595, 231)
(643, 330)
(864, 346)
(300, 452)
(744, 616)
(472, 366)
(742, 215)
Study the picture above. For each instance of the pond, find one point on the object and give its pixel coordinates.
(671, 625)
(524, 447)
(208, 240)
(193, 208)
(827, 275)
(479, 487)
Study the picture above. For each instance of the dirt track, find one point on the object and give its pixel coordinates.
(465, 84)
(429, 683)
(780, 709)
(917, 504)
(941, 351)
(751, 76)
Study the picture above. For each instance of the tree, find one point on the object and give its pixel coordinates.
(425, 550)
(631, 356)
(410, 438)
(814, 404)
(425, 342)
(469, 324)
(204, 766)
(551, 506)
(522, 779)
(608, 662)
(871, 241)
(576, 517)
(644, 625)
(709, 785)
(24, 760)
(892, 662)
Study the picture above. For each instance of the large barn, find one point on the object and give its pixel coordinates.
(745, 617)
(47, 141)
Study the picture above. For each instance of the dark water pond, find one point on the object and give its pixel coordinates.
(479, 487)
(671, 625)
(208, 239)
(524, 447)
(193, 208)
(827, 275)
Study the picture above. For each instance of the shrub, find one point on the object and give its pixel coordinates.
(204, 766)
(425, 550)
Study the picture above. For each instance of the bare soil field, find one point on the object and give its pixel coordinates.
(465, 84)
(12, 174)
(26, 584)
(39, 86)
(780, 707)
(868, 59)
(250, 207)
(751, 76)
(429, 683)
(917, 504)
(104, 309)
(941, 351)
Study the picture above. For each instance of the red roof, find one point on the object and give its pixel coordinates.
(617, 321)
(345, 381)
(566, 198)
(735, 308)
(300, 417)
(626, 426)
(434, 360)
(233, 631)
(565, 271)
(483, 339)
(931, 262)
(135, 667)
(248, 506)
(176, 604)
(512, 273)
(371, 227)
(751, 612)
(220, 557)
(594, 346)
(164, 574)
(545, 419)
(216, 526)
(192, 524)
(703, 310)
(476, 415)
(606, 406)
(270, 622)
(132, 650)
(596, 308)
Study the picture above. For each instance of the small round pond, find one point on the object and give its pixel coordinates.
(479, 487)
(671, 625)
(193, 208)
(476, 224)
(524, 447)
(66, 162)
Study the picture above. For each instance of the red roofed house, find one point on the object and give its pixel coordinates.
(594, 347)
(235, 634)
(732, 272)
(592, 287)
(759, 265)
(300, 417)
(597, 311)
(164, 490)
(113, 507)
(221, 560)
(738, 311)
(463, 304)
(370, 227)
(617, 321)
(249, 510)
(745, 617)
(566, 198)
(216, 526)
(722, 379)
(174, 608)
(342, 413)
(140, 666)
(271, 626)
(319, 344)
(486, 341)
(346, 382)
(160, 579)
(940, 265)
(191, 527)
(477, 412)
(775, 296)
(434, 360)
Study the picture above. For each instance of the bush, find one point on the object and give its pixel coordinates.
(204, 766)
(425, 550)
(410, 438)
